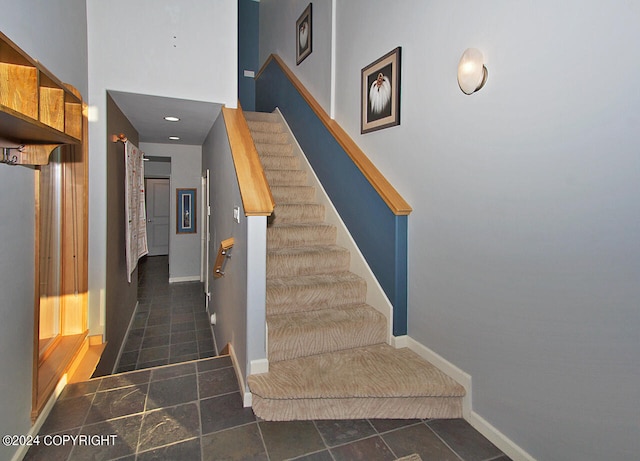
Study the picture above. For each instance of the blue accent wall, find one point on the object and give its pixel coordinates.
(248, 51)
(378, 232)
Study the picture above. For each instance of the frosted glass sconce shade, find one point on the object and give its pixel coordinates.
(472, 74)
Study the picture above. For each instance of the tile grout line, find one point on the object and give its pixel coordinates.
(326, 445)
(443, 441)
(264, 444)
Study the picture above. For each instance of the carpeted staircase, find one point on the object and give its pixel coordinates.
(327, 350)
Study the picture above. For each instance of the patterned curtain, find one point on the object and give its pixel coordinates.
(135, 212)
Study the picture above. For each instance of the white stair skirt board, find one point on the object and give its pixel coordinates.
(508, 447)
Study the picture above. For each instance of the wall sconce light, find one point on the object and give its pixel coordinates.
(472, 74)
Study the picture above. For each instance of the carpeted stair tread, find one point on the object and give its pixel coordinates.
(265, 126)
(278, 150)
(262, 116)
(293, 194)
(321, 259)
(373, 381)
(293, 177)
(279, 162)
(289, 213)
(291, 235)
(302, 334)
(269, 138)
(313, 292)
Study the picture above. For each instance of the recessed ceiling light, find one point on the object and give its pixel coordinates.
(174, 138)
(170, 118)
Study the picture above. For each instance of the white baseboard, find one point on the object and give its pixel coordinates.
(246, 395)
(21, 452)
(259, 366)
(188, 278)
(124, 339)
(495, 436)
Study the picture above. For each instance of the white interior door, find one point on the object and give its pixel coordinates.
(158, 211)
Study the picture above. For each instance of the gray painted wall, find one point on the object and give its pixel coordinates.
(186, 166)
(29, 24)
(524, 250)
(121, 296)
(17, 256)
(229, 293)
(277, 33)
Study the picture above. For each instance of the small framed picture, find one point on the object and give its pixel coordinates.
(186, 211)
(303, 35)
(380, 90)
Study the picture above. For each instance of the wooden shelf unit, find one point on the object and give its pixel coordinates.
(35, 107)
(39, 113)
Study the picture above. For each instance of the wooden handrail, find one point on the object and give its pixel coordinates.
(254, 189)
(387, 192)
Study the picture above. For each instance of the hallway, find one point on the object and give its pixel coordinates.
(170, 324)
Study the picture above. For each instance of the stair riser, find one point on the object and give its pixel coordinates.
(270, 138)
(292, 264)
(293, 194)
(292, 340)
(286, 237)
(284, 150)
(265, 126)
(286, 177)
(357, 408)
(294, 213)
(276, 162)
(263, 116)
(286, 299)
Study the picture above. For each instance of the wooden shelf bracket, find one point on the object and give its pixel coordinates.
(28, 154)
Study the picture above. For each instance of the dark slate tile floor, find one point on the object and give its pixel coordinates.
(192, 411)
(170, 324)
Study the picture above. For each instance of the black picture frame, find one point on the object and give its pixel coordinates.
(380, 106)
(304, 35)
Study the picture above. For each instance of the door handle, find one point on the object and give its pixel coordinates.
(149, 220)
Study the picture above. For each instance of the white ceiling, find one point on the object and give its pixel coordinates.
(146, 113)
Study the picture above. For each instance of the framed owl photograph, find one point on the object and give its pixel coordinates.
(380, 91)
(303, 35)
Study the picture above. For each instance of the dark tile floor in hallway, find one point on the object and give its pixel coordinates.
(170, 324)
(192, 411)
